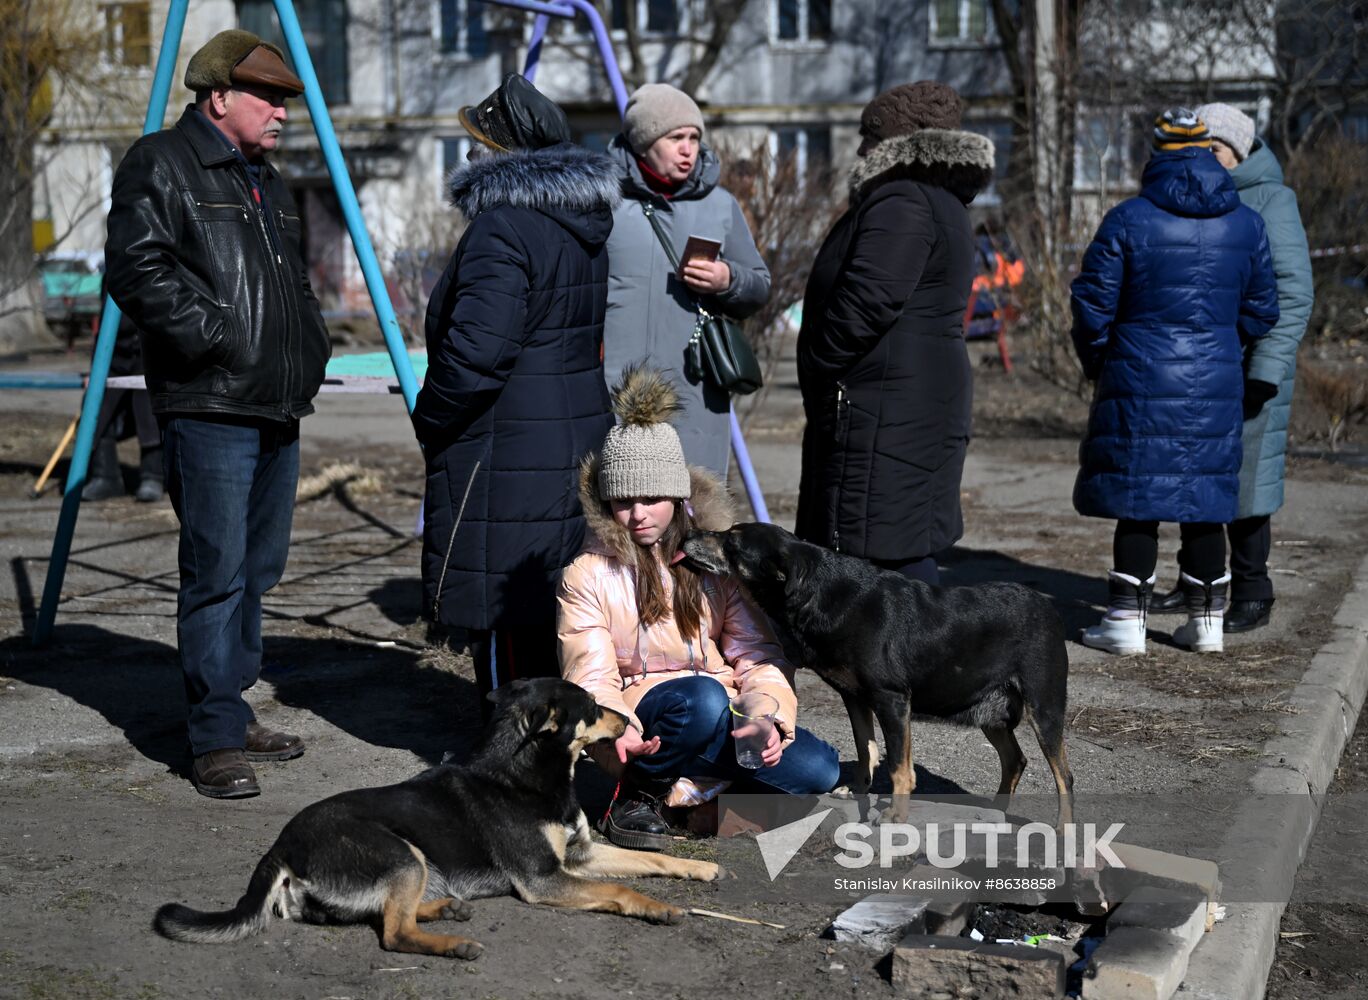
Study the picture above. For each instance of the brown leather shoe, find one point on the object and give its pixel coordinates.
(224, 774)
(267, 744)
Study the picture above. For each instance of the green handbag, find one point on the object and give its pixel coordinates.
(718, 350)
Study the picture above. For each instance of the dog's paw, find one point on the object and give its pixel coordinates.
(706, 871)
(464, 948)
(457, 909)
(669, 915)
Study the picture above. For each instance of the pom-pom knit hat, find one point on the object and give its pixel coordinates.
(1179, 128)
(642, 456)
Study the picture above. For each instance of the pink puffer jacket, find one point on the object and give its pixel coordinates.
(604, 648)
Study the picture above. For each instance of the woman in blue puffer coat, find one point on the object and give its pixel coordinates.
(1175, 284)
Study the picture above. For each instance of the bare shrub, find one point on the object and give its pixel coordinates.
(1041, 301)
(789, 214)
(1328, 181)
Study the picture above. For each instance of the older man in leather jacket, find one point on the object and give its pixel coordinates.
(203, 254)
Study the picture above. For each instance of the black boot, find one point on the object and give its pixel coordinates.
(1246, 616)
(104, 478)
(634, 819)
(1168, 603)
(150, 485)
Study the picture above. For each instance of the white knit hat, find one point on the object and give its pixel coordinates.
(655, 109)
(1230, 126)
(641, 456)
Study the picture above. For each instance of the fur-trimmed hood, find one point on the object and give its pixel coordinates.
(712, 509)
(958, 161)
(565, 181)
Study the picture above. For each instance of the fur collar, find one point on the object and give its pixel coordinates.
(564, 176)
(711, 502)
(961, 162)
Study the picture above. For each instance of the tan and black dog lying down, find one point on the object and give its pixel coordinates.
(986, 655)
(506, 822)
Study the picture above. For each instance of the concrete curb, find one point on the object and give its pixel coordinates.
(1234, 960)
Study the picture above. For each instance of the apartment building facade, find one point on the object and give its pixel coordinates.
(792, 74)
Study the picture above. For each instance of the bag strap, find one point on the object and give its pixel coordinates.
(648, 211)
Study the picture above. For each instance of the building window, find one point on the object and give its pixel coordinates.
(1000, 132)
(1110, 151)
(451, 153)
(958, 22)
(651, 17)
(801, 21)
(324, 26)
(128, 34)
(807, 147)
(461, 29)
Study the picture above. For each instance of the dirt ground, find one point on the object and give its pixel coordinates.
(1323, 944)
(98, 825)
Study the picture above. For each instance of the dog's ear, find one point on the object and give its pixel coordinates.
(542, 719)
(799, 562)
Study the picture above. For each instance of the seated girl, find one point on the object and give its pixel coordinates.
(668, 648)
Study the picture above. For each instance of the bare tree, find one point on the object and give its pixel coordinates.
(55, 72)
(704, 31)
(789, 213)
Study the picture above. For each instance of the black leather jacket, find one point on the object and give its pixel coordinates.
(216, 283)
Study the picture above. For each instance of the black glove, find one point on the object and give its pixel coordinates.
(1256, 394)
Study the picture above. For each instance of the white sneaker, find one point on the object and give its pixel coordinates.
(1122, 636)
(1202, 633)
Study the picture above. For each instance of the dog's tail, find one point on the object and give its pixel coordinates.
(253, 910)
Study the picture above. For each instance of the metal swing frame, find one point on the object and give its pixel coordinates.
(356, 227)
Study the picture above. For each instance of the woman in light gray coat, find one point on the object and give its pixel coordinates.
(1270, 368)
(665, 167)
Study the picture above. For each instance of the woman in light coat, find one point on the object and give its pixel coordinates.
(664, 646)
(1271, 367)
(665, 168)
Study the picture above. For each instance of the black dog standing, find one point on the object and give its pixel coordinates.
(988, 655)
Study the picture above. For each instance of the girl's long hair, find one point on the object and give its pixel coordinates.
(652, 605)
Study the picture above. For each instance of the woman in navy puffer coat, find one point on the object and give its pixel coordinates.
(1176, 283)
(514, 394)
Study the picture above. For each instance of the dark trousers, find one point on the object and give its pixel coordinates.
(692, 717)
(232, 484)
(1135, 549)
(1251, 540)
(923, 569)
(504, 655)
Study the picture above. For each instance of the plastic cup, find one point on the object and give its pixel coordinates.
(752, 717)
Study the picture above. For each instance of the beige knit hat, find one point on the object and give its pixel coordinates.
(641, 456)
(655, 109)
(1230, 125)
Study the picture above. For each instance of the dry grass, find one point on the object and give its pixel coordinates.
(1240, 735)
(355, 479)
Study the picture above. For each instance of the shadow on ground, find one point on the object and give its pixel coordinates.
(1076, 597)
(383, 696)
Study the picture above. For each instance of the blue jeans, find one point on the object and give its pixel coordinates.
(691, 717)
(232, 483)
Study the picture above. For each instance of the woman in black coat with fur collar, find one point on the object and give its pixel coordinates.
(514, 394)
(885, 377)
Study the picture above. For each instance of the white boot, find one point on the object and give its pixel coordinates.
(1204, 631)
(1122, 629)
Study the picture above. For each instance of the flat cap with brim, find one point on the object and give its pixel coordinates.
(239, 58)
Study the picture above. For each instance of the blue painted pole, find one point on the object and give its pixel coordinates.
(605, 47)
(754, 494)
(539, 27)
(104, 350)
(346, 195)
